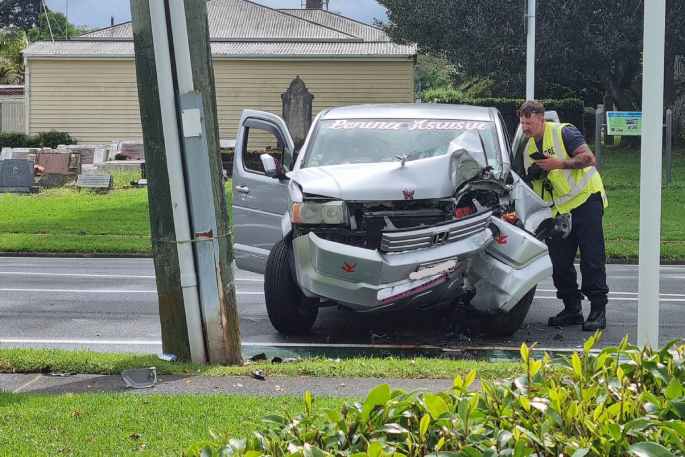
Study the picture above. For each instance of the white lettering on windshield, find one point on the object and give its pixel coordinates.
(418, 124)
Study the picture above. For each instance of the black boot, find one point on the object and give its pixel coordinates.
(571, 315)
(597, 320)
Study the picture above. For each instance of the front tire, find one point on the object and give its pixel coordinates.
(505, 325)
(290, 312)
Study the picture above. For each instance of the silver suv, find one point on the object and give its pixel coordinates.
(388, 206)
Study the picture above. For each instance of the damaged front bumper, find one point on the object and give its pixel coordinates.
(369, 280)
(500, 272)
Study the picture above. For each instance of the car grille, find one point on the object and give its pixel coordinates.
(401, 241)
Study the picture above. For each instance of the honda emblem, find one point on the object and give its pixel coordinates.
(440, 238)
(408, 194)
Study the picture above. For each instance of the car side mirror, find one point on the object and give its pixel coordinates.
(271, 168)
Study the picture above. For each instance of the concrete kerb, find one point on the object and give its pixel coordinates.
(206, 385)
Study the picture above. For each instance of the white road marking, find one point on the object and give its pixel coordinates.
(100, 291)
(88, 275)
(30, 383)
(619, 293)
(73, 275)
(78, 341)
(276, 345)
(81, 291)
(663, 300)
(664, 297)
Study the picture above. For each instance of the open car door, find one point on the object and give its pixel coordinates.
(259, 201)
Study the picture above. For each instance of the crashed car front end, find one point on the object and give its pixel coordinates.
(418, 233)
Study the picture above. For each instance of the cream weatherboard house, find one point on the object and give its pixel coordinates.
(87, 86)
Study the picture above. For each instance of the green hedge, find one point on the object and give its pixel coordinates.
(569, 109)
(50, 139)
(620, 401)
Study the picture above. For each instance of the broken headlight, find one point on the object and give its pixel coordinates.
(312, 213)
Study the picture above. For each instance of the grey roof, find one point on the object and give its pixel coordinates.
(411, 111)
(117, 32)
(242, 28)
(124, 49)
(242, 20)
(342, 23)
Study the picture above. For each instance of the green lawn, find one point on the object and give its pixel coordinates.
(65, 221)
(125, 424)
(53, 360)
(621, 174)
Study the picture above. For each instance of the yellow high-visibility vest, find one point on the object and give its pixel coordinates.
(569, 188)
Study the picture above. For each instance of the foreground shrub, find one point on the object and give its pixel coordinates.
(50, 139)
(618, 402)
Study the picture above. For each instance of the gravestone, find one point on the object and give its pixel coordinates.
(100, 182)
(19, 153)
(16, 176)
(87, 155)
(100, 155)
(54, 162)
(131, 150)
(297, 110)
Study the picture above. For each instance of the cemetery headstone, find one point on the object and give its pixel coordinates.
(16, 176)
(98, 182)
(297, 110)
(61, 163)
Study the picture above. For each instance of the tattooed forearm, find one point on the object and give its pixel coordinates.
(582, 158)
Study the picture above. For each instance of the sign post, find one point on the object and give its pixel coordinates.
(530, 53)
(650, 172)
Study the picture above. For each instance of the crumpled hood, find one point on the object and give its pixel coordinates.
(417, 180)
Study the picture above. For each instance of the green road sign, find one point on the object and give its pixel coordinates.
(624, 123)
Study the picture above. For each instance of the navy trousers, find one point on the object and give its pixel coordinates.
(587, 235)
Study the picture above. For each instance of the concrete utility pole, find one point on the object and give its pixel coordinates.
(189, 221)
(530, 53)
(650, 174)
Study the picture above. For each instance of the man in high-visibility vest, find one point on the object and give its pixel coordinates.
(561, 169)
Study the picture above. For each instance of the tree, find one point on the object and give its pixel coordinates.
(462, 31)
(12, 42)
(433, 72)
(585, 47)
(61, 28)
(22, 14)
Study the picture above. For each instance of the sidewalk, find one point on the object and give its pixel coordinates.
(178, 385)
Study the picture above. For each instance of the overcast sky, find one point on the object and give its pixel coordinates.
(96, 13)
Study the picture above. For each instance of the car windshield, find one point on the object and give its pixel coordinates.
(350, 141)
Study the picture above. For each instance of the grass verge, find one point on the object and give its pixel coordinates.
(125, 424)
(66, 221)
(621, 175)
(61, 361)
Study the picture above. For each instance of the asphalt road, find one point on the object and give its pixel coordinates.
(111, 305)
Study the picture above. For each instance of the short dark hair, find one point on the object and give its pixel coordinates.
(532, 106)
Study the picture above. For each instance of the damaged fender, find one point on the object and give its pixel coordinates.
(508, 269)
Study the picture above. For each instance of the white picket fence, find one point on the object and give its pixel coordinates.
(12, 116)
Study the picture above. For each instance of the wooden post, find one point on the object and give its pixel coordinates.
(162, 230)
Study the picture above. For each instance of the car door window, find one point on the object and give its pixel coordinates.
(261, 137)
(258, 141)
